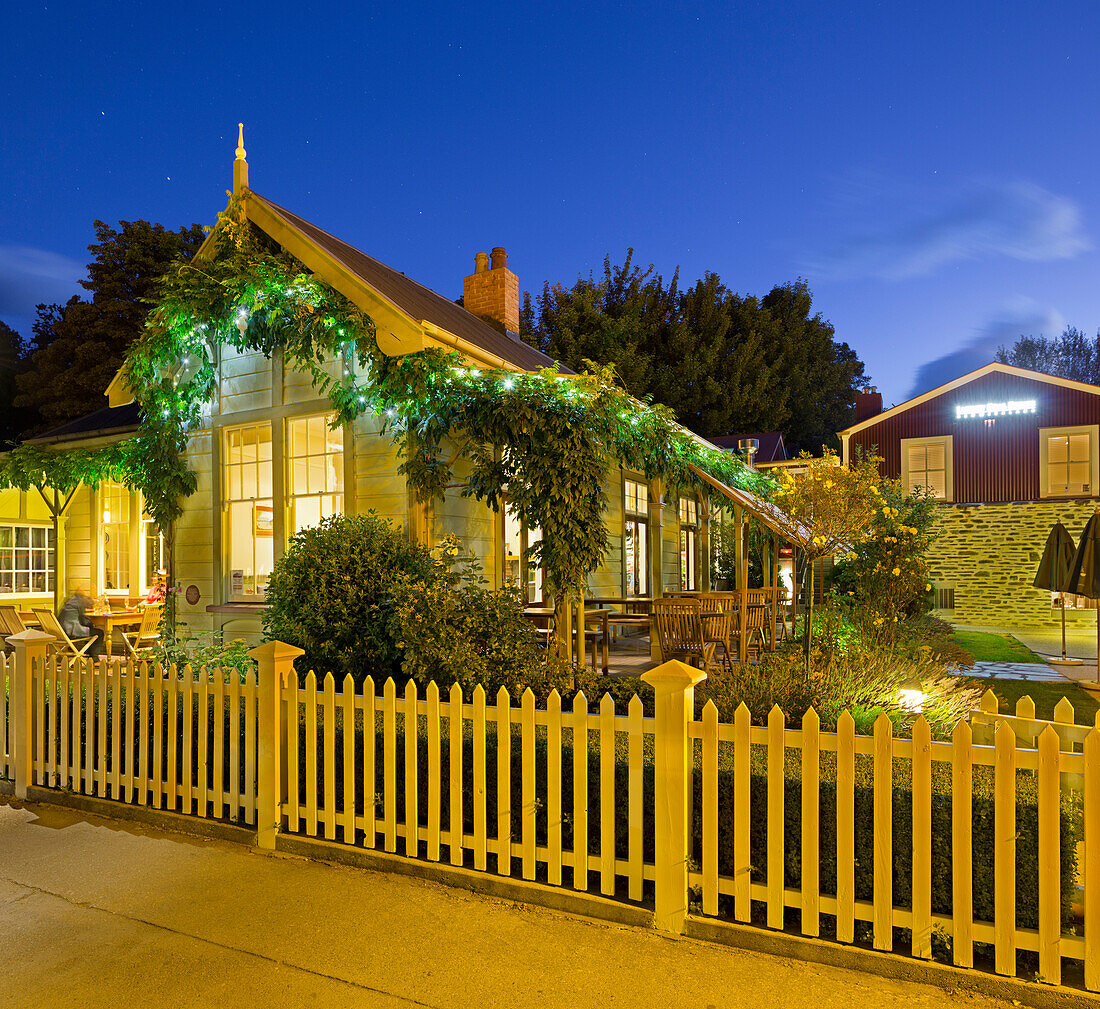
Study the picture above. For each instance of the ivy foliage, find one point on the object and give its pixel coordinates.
(545, 440)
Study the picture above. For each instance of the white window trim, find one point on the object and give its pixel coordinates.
(1045, 433)
(948, 462)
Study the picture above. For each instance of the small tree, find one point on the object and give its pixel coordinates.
(830, 508)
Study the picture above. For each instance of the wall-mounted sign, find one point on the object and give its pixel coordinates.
(996, 409)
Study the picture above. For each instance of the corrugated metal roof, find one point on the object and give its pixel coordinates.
(416, 300)
(109, 420)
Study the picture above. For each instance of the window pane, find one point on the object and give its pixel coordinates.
(22, 536)
(1079, 448)
(934, 456)
(938, 483)
(917, 457)
(1078, 475)
(1058, 450)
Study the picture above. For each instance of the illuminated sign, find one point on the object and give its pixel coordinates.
(996, 409)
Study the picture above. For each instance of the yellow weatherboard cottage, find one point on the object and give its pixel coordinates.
(267, 462)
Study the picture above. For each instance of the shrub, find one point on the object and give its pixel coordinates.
(331, 594)
(198, 650)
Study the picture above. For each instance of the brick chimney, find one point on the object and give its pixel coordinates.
(491, 292)
(868, 403)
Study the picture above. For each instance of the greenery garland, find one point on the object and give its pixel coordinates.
(544, 439)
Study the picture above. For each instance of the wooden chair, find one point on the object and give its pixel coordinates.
(10, 623)
(73, 648)
(717, 616)
(680, 631)
(756, 620)
(148, 633)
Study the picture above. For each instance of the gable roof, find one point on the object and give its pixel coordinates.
(109, 420)
(418, 303)
(994, 367)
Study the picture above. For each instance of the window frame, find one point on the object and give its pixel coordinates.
(948, 462)
(1045, 434)
(290, 497)
(688, 542)
(638, 517)
(103, 502)
(50, 571)
(257, 595)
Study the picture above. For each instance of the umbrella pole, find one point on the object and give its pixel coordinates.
(1063, 608)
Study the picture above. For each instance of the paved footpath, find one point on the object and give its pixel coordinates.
(100, 913)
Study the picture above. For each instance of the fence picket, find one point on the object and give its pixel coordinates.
(1050, 910)
(922, 839)
(130, 746)
(635, 817)
(527, 755)
(454, 726)
(811, 800)
(883, 910)
(202, 702)
(101, 720)
(389, 763)
(171, 728)
(480, 815)
(607, 796)
(236, 737)
(1004, 852)
(412, 797)
(114, 690)
(7, 670)
(580, 792)
(160, 679)
(435, 770)
(218, 781)
(710, 808)
(347, 709)
(329, 808)
(190, 719)
(553, 788)
(40, 675)
(294, 698)
(776, 839)
(144, 714)
(49, 678)
(250, 749)
(504, 783)
(370, 772)
(1025, 707)
(845, 827)
(962, 845)
(742, 815)
(1091, 750)
(62, 666)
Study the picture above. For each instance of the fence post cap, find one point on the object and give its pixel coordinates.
(674, 674)
(274, 651)
(30, 637)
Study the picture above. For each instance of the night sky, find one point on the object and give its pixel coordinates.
(930, 169)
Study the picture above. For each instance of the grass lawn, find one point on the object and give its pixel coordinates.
(1045, 695)
(987, 647)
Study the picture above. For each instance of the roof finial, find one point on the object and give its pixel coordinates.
(240, 166)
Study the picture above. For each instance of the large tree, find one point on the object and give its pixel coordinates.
(726, 363)
(11, 357)
(1071, 355)
(78, 347)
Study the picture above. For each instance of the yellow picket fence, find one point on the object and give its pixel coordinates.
(406, 777)
(1053, 766)
(170, 739)
(7, 669)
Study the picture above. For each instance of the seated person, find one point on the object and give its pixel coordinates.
(73, 617)
(156, 590)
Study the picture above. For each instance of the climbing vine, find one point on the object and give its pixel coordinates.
(544, 440)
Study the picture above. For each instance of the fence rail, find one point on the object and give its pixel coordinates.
(979, 841)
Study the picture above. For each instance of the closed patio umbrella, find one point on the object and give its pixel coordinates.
(1054, 569)
(1084, 575)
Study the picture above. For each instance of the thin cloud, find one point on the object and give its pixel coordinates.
(30, 276)
(897, 237)
(1023, 318)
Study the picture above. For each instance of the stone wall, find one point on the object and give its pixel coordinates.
(989, 553)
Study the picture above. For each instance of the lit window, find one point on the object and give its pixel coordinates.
(689, 540)
(1069, 461)
(635, 526)
(155, 548)
(519, 568)
(315, 467)
(926, 463)
(116, 536)
(249, 508)
(27, 560)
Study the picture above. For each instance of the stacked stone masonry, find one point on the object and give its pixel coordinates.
(989, 554)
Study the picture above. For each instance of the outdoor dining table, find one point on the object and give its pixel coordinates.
(107, 620)
(600, 616)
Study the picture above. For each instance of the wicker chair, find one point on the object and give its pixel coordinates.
(680, 632)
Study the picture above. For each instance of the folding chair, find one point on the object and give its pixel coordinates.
(148, 633)
(74, 648)
(10, 623)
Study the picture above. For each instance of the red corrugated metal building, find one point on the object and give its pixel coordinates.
(1008, 452)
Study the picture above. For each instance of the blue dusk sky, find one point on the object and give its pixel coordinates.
(929, 168)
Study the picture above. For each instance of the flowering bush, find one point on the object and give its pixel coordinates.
(886, 574)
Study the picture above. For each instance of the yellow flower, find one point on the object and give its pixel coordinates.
(928, 587)
(897, 571)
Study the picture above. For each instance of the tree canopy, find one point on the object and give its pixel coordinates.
(1071, 355)
(77, 347)
(11, 355)
(725, 363)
